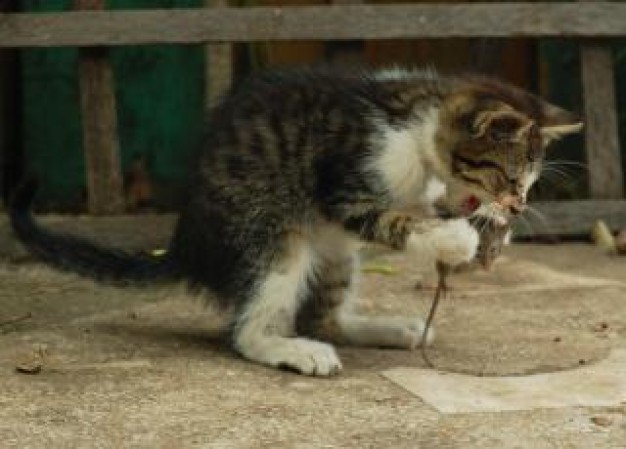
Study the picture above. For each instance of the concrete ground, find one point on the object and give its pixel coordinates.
(133, 368)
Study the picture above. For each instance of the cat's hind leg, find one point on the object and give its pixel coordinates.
(265, 329)
(330, 311)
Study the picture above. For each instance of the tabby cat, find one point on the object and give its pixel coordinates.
(299, 167)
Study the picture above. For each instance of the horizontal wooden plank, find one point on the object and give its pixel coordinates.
(335, 22)
(571, 218)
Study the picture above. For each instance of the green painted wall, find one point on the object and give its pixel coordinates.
(160, 103)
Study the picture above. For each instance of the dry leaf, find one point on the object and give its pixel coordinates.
(33, 362)
(602, 236)
(380, 268)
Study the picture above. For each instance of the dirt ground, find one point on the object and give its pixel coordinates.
(149, 368)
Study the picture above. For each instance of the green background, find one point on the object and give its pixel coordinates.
(160, 104)
(161, 100)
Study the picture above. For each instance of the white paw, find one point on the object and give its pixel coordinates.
(390, 332)
(405, 333)
(309, 357)
(455, 242)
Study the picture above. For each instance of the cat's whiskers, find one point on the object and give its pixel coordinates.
(539, 215)
(524, 221)
(557, 171)
(481, 223)
(560, 163)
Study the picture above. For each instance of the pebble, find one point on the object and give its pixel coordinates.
(603, 421)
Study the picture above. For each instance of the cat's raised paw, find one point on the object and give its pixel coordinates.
(407, 332)
(455, 241)
(384, 331)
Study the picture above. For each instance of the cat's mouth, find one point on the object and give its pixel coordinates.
(470, 205)
(501, 210)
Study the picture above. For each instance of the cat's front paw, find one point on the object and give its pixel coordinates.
(455, 242)
(312, 358)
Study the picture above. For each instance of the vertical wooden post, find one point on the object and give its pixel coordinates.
(601, 135)
(99, 120)
(219, 64)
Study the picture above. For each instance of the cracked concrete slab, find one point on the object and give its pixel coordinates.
(150, 368)
(600, 385)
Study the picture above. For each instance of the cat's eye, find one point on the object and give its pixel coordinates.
(499, 135)
(535, 153)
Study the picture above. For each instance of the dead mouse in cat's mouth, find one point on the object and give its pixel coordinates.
(493, 236)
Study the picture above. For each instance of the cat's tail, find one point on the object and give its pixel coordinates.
(79, 255)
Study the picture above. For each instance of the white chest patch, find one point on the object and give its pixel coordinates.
(400, 156)
(434, 190)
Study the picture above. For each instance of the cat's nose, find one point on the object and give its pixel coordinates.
(518, 206)
(514, 204)
(516, 210)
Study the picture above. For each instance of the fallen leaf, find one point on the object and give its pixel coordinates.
(31, 364)
(380, 268)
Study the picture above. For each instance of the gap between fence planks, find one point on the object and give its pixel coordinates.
(335, 22)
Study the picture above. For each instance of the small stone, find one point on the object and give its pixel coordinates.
(603, 421)
(601, 326)
(582, 362)
(557, 339)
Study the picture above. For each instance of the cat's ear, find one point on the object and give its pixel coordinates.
(557, 123)
(501, 125)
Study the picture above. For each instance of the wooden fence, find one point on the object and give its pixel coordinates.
(591, 23)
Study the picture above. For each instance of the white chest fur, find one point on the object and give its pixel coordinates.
(401, 157)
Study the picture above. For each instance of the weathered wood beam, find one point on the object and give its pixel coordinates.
(606, 180)
(601, 134)
(99, 118)
(219, 64)
(571, 218)
(336, 22)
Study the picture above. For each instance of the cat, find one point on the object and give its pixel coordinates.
(297, 169)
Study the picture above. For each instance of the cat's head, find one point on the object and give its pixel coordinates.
(492, 140)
